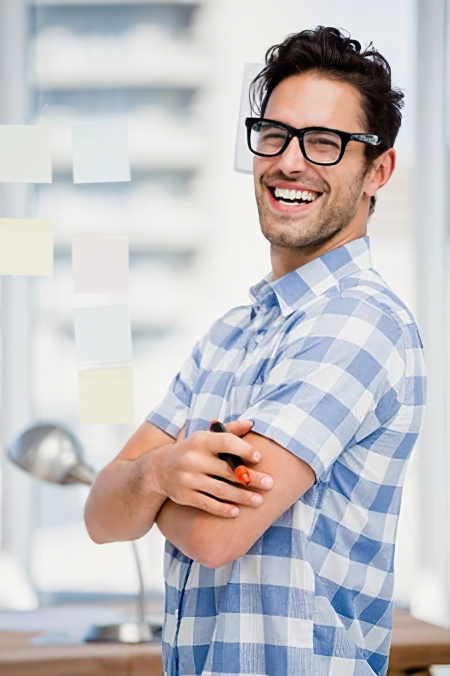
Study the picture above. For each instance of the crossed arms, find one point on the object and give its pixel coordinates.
(157, 479)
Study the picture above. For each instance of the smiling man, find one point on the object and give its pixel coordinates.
(321, 384)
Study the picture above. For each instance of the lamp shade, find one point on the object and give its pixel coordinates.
(52, 453)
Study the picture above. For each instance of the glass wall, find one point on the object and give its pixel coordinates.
(172, 71)
(143, 64)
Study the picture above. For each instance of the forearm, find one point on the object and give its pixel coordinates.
(176, 522)
(122, 503)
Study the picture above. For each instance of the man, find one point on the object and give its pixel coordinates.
(321, 383)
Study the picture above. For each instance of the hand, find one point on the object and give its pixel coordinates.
(185, 471)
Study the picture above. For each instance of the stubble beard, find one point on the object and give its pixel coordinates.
(292, 232)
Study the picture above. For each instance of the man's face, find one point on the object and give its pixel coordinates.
(308, 100)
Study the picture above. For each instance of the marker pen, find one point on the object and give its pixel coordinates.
(233, 461)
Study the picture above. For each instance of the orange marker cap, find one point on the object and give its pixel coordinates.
(242, 474)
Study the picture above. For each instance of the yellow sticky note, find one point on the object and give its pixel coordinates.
(106, 396)
(25, 154)
(26, 247)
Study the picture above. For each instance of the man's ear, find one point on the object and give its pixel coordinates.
(380, 171)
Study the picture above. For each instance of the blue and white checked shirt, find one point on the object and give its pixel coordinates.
(328, 362)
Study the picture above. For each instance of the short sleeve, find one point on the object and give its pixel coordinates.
(327, 378)
(171, 414)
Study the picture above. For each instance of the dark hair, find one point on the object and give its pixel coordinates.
(330, 53)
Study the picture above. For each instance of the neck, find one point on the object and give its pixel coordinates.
(286, 260)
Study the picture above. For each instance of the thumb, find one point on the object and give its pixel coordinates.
(239, 427)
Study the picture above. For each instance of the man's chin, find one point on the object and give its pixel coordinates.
(298, 235)
(278, 235)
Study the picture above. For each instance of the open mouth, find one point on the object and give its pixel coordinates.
(286, 196)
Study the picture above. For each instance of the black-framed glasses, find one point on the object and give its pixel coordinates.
(319, 145)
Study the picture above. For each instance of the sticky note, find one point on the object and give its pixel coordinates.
(243, 160)
(100, 154)
(106, 396)
(103, 334)
(25, 155)
(100, 264)
(26, 247)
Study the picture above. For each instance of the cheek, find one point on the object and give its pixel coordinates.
(262, 167)
(343, 181)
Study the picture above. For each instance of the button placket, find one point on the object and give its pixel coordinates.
(257, 328)
(260, 329)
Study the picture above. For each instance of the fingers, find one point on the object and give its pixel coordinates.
(223, 443)
(228, 492)
(260, 480)
(239, 427)
(209, 463)
(191, 473)
(214, 507)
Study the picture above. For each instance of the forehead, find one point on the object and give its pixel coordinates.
(313, 100)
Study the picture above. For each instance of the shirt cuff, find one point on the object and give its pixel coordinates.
(171, 427)
(289, 443)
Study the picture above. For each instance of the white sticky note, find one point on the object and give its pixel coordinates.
(243, 159)
(25, 155)
(26, 247)
(103, 334)
(100, 154)
(100, 264)
(106, 396)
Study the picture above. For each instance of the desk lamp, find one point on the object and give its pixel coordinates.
(53, 453)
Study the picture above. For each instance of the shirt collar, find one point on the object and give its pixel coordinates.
(314, 278)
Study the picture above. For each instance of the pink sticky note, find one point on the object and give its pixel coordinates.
(100, 264)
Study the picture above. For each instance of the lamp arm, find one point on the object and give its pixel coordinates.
(141, 596)
(82, 474)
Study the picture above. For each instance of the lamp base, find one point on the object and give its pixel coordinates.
(125, 632)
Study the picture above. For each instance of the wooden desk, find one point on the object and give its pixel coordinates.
(19, 657)
(416, 645)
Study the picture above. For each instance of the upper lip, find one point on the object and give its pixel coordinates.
(291, 186)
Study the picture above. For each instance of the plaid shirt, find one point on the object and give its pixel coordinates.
(328, 363)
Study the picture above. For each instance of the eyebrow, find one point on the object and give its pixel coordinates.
(315, 126)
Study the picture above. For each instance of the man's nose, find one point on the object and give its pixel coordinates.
(292, 160)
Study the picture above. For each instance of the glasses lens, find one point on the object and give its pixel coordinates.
(322, 146)
(267, 138)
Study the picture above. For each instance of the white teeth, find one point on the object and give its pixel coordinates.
(286, 194)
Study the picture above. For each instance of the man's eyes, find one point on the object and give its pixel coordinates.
(325, 140)
(273, 132)
(268, 135)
